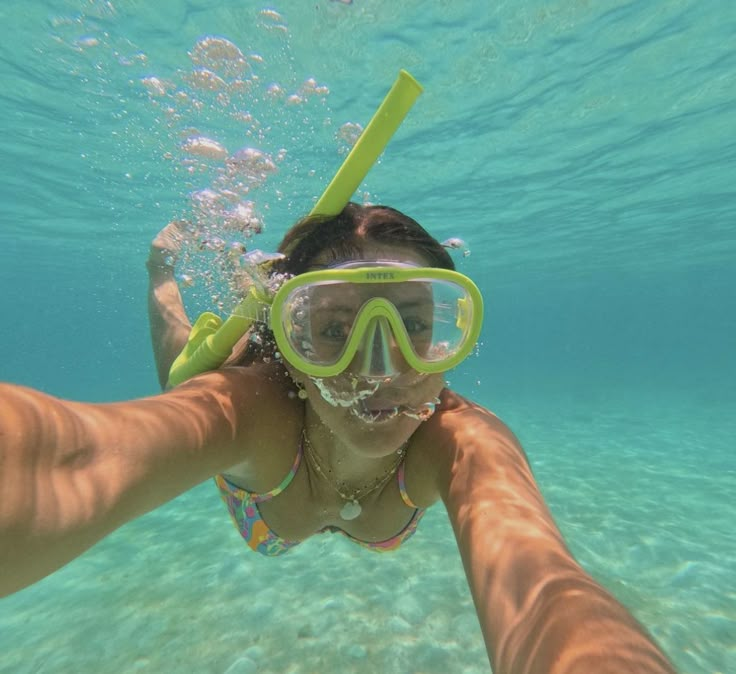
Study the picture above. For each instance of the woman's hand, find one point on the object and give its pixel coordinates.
(166, 247)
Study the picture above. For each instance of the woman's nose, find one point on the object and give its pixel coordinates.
(379, 355)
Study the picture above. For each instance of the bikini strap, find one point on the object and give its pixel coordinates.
(265, 496)
(402, 486)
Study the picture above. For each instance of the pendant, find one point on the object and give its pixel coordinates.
(350, 510)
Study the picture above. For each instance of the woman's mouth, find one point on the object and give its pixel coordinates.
(375, 414)
(371, 412)
(370, 406)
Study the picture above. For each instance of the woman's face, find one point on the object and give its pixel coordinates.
(373, 413)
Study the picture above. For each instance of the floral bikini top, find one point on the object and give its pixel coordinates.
(243, 507)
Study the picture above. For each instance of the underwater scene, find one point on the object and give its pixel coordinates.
(577, 159)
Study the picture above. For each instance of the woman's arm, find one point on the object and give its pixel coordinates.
(540, 613)
(168, 321)
(70, 473)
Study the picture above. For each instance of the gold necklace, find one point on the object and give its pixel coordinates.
(352, 508)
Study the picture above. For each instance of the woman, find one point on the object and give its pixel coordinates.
(361, 437)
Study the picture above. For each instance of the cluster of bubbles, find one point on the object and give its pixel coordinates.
(209, 110)
(350, 391)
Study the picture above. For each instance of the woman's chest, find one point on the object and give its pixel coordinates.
(303, 502)
(304, 509)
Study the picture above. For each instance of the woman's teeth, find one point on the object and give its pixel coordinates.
(380, 415)
(374, 416)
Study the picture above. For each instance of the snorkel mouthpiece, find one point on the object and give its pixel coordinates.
(377, 361)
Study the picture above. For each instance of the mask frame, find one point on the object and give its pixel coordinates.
(381, 311)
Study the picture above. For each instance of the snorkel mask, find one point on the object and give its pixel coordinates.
(377, 318)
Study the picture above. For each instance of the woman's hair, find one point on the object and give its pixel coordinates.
(345, 236)
(336, 239)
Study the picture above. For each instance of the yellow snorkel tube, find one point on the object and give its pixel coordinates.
(371, 143)
(211, 340)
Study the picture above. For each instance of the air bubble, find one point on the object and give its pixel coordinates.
(204, 147)
(455, 243)
(87, 41)
(155, 87)
(206, 80)
(186, 280)
(271, 14)
(348, 135)
(220, 55)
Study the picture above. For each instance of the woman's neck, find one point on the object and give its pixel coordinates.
(346, 463)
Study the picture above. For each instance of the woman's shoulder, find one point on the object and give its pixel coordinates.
(457, 414)
(458, 426)
(265, 399)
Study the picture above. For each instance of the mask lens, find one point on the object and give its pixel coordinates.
(449, 322)
(318, 320)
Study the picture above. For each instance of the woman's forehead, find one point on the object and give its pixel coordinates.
(372, 253)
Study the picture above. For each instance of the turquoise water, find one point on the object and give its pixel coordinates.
(586, 154)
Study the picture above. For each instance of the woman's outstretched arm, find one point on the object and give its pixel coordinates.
(70, 473)
(539, 611)
(168, 321)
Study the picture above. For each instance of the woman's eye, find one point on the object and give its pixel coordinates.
(415, 326)
(334, 331)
